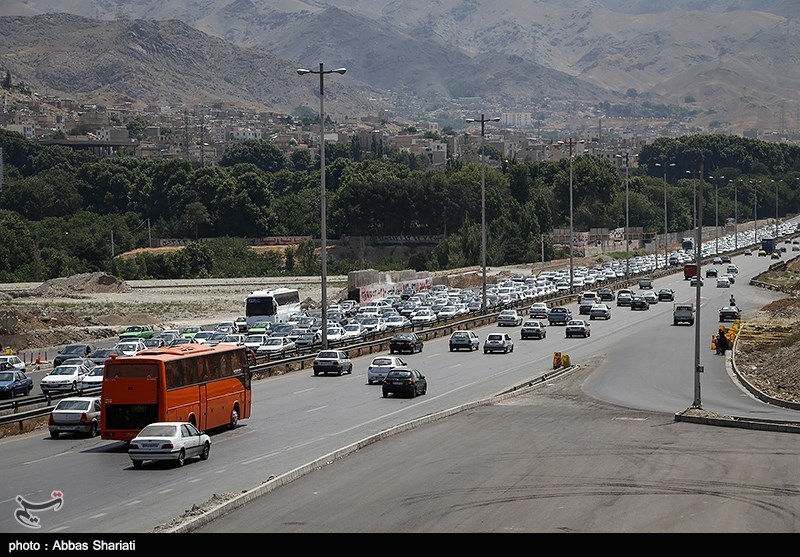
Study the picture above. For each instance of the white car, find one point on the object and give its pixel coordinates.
(171, 441)
(510, 318)
(254, 341)
(397, 322)
(448, 312)
(277, 345)
(353, 331)
(203, 337)
(12, 362)
(62, 379)
(75, 415)
(131, 347)
(423, 317)
(91, 380)
(374, 324)
(335, 334)
(236, 339)
(380, 366)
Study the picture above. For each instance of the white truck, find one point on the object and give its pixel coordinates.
(683, 312)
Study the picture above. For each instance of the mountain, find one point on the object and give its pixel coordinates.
(732, 61)
(156, 62)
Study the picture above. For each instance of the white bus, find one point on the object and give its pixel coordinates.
(274, 306)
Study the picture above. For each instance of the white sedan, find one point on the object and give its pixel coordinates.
(64, 378)
(172, 441)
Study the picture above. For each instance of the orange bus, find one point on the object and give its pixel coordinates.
(208, 386)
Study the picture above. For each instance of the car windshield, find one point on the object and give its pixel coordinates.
(6, 376)
(76, 349)
(133, 329)
(402, 373)
(65, 370)
(460, 335)
(274, 341)
(331, 355)
(102, 353)
(96, 371)
(495, 337)
(381, 362)
(128, 347)
(67, 404)
(158, 430)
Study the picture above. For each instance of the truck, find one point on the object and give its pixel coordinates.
(683, 312)
(687, 244)
(768, 245)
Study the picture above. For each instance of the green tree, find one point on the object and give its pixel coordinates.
(18, 250)
(264, 154)
(194, 215)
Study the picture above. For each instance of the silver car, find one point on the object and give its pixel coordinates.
(380, 366)
(75, 415)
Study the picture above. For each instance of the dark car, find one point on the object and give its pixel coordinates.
(666, 295)
(606, 295)
(464, 340)
(645, 282)
(13, 383)
(726, 258)
(404, 382)
(99, 356)
(711, 272)
(73, 351)
(694, 279)
(405, 342)
(729, 313)
(639, 302)
(559, 316)
(332, 361)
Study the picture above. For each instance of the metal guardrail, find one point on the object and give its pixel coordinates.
(47, 400)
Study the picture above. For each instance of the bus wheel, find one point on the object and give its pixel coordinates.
(234, 418)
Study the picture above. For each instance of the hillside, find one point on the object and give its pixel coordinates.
(731, 61)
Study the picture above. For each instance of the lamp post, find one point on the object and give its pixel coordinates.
(755, 210)
(698, 200)
(716, 212)
(664, 166)
(571, 229)
(483, 208)
(735, 216)
(627, 219)
(776, 210)
(323, 201)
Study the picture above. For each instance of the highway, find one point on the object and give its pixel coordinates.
(643, 362)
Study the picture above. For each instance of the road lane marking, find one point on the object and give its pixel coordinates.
(134, 502)
(163, 491)
(303, 391)
(98, 515)
(454, 365)
(48, 457)
(317, 409)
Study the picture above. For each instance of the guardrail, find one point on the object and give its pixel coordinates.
(21, 417)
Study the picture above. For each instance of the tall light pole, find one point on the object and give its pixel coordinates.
(571, 228)
(755, 210)
(323, 200)
(697, 256)
(627, 219)
(716, 212)
(776, 210)
(483, 208)
(735, 215)
(664, 166)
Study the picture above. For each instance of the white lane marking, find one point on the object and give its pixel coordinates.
(317, 409)
(221, 471)
(47, 457)
(135, 502)
(98, 515)
(60, 528)
(303, 391)
(454, 365)
(163, 491)
(195, 480)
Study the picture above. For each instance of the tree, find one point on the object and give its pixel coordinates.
(196, 214)
(264, 154)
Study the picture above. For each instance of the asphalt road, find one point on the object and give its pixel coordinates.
(298, 418)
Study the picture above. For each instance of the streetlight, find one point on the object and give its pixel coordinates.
(323, 202)
(735, 215)
(755, 210)
(627, 219)
(697, 256)
(716, 212)
(483, 207)
(776, 210)
(571, 230)
(664, 166)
